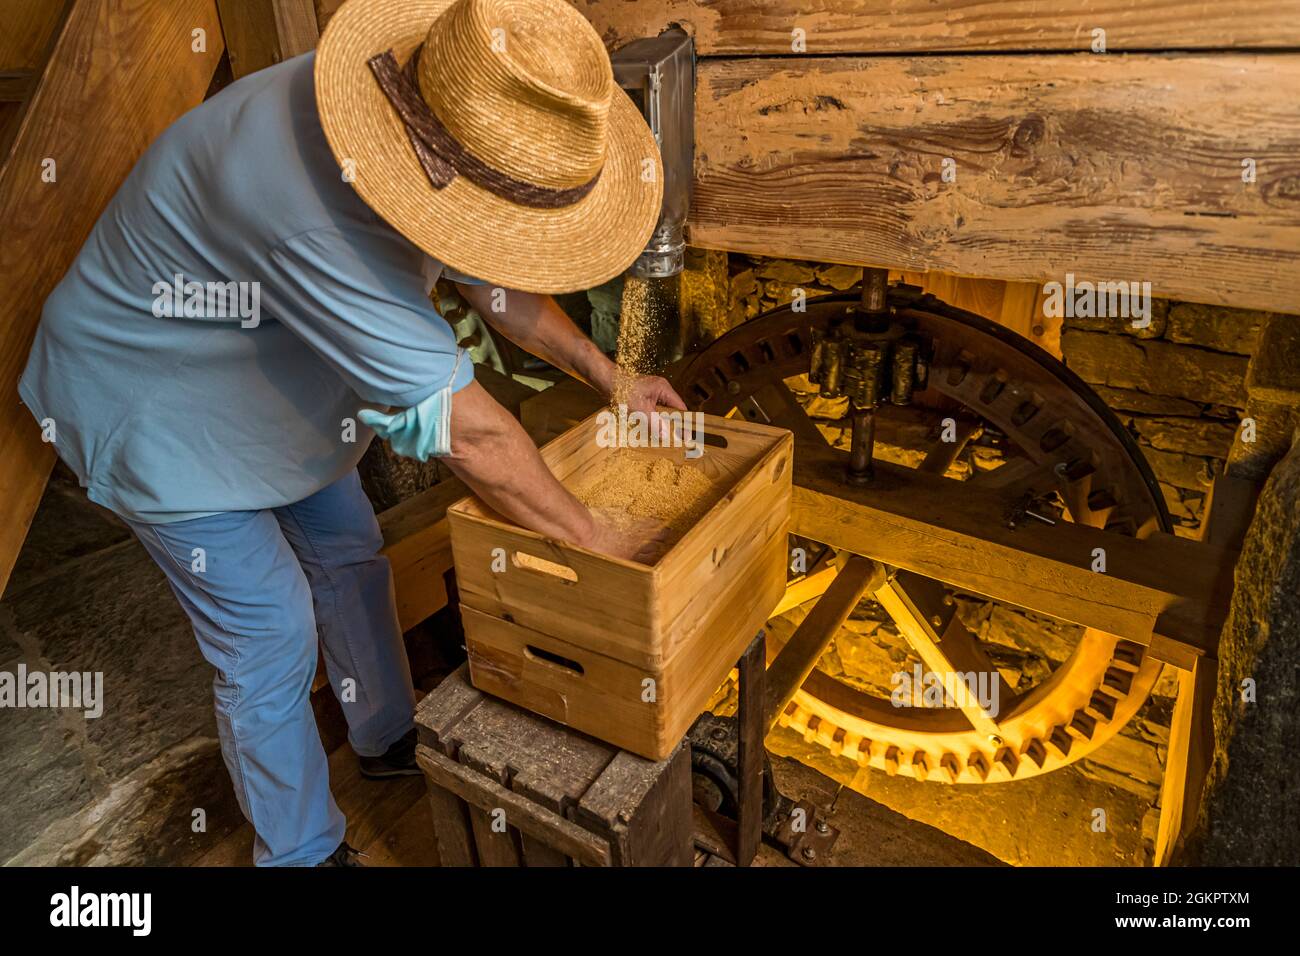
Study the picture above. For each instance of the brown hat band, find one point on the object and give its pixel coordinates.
(442, 156)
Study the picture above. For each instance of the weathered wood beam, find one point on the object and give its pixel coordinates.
(119, 73)
(954, 533)
(1125, 167)
(746, 27)
(260, 33)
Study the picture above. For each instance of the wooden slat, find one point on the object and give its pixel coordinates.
(840, 159)
(118, 75)
(260, 33)
(485, 793)
(745, 27)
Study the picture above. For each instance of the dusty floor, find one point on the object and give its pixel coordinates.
(1042, 821)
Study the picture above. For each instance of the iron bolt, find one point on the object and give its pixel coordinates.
(809, 853)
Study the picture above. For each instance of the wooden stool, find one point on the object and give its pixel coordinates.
(511, 788)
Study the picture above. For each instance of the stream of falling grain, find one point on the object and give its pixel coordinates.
(645, 325)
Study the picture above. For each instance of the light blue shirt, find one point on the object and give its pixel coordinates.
(171, 409)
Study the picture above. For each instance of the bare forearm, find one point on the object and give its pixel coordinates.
(492, 454)
(539, 326)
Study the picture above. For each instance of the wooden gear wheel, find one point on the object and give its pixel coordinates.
(1063, 444)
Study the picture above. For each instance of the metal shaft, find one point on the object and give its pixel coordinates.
(861, 444)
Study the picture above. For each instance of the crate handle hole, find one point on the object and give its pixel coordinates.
(547, 657)
(778, 469)
(531, 562)
(712, 438)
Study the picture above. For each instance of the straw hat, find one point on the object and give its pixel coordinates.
(552, 178)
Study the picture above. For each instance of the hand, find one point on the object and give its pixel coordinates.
(644, 541)
(644, 394)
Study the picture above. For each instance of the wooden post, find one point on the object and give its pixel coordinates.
(749, 833)
(260, 33)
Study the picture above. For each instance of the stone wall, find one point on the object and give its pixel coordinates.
(1179, 386)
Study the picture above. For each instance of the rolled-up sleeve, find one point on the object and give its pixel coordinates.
(356, 297)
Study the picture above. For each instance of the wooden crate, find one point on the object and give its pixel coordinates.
(628, 652)
(556, 796)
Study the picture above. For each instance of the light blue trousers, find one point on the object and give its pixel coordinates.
(262, 589)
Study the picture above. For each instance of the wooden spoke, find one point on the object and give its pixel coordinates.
(940, 457)
(801, 653)
(1016, 477)
(775, 404)
(946, 647)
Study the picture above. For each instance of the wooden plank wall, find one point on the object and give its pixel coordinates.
(1113, 166)
(118, 74)
(750, 27)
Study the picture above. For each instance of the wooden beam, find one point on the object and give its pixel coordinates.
(747, 27)
(1191, 750)
(800, 655)
(955, 533)
(260, 33)
(118, 75)
(842, 160)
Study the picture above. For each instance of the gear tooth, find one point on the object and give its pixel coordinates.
(1060, 741)
(1036, 752)
(978, 766)
(891, 761)
(810, 728)
(786, 718)
(1127, 655)
(864, 752)
(1006, 759)
(1081, 726)
(1101, 707)
(1117, 682)
(950, 765)
(836, 746)
(920, 765)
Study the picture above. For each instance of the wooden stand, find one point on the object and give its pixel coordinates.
(511, 788)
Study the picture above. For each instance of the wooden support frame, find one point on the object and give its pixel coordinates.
(1162, 584)
(118, 74)
(1229, 509)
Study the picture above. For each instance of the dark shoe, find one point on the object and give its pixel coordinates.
(343, 856)
(397, 761)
